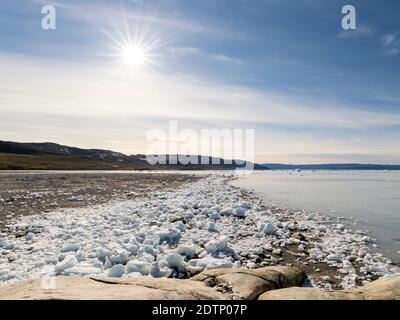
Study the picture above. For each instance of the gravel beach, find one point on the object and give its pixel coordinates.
(26, 193)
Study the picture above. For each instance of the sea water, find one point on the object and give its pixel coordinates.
(368, 200)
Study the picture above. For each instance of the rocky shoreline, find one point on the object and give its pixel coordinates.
(184, 231)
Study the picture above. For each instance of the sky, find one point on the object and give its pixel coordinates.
(312, 92)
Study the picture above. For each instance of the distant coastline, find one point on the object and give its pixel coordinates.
(331, 166)
(53, 156)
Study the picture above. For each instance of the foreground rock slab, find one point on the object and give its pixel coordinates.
(248, 284)
(218, 284)
(82, 288)
(387, 288)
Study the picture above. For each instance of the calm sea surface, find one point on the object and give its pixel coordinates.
(368, 199)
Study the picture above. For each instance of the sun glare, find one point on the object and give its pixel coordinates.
(134, 55)
(133, 44)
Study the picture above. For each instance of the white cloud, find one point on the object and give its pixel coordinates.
(185, 51)
(392, 51)
(389, 39)
(104, 105)
(363, 29)
(190, 51)
(391, 44)
(36, 85)
(224, 58)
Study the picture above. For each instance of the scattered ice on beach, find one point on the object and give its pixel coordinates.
(202, 225)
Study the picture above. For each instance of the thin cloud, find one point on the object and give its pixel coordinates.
(224, 58)
(184, 51)
(194, 51)
(158, 94)
(392, 51)
(54, 3)
(364, 29)
(391, 44)
(82, 110)
(389, 39)
(105, 15)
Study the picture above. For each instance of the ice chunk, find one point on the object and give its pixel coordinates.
(215, 215)
(138, 266)
(189, 252)
(175, 261)
(268, 247)
(107, 263)
(198, 265)
(171, 235)
(83, 269)
(158, 271)
(217, 246)
(146, 257)
(68, 262)
(103, 252)
(244, 205)
(132, 248)
(333, 257)
(226, 212)
(121, 257)
(116, 271)
(379, 269)
(239, 212)
(277, 251)
(76, 198)
(71, 247)
(269, 229)
(211, 227)
(30, 236)
(147, 249)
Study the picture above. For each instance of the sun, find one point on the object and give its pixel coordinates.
(134, 55)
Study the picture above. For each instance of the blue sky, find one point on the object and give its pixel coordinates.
(312, 91)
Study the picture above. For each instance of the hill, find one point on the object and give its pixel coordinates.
(52, 156)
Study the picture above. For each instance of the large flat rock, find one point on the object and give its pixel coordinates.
(218, 284)
(387, 288)
(83, 288)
